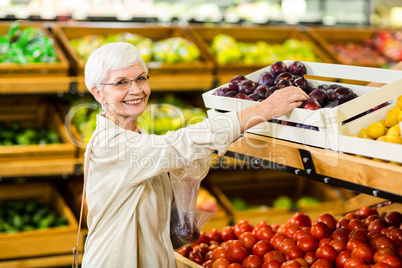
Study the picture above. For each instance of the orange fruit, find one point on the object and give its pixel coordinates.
(363, 133)
(393, 138)
(392, 117)
(375, 130)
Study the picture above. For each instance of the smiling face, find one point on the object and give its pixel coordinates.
(125, 105)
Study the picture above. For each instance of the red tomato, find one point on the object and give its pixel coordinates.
(393, 218)
(373, 239)
(338, 245)
(290, 230)
(353, 262)
(196, 256)
(388, 229)
(340, 234)
(351, 215)
(399, 252)
(241, 227)
(310, 258)
(265, 234)
(271, 264)
(307, 243)
(259, 226)
(321, 263)
(384, 242)
(285, 244)
(207, 264)
(365, 211)
(329, 220)
(300, 219)
(319, 230)
(219, 252)
(355, 224)
(324, 241)
(221, 263)
(249, 239)
(226, 244)
(274, 255)
(302, 262)
(376, 225)
(291, 264)
(202, 248)
(294, 252)
(343, 224)
(184, 251)
(237, 253)
(235, 265)
(395, 234)
(204, 238)
(370, 219)
(299, 234)
(228, 233)
(276, 240)
(252, 261)
(213, 246)
(380, 265)
(361, 234)
(393, 261)
(261, 247)
(352, 243)
(215, 235)
(275, 227)
(380, 254)
(326, 252)
(208, 256)
(364, 252)
(341, 258)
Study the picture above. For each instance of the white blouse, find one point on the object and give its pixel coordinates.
(129, 194)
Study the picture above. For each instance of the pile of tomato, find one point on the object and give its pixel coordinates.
(359, 239)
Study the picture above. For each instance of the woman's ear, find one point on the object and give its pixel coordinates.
(97, 95)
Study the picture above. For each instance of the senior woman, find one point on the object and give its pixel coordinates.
(129, 202)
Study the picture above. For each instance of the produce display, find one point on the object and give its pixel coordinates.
(169, 50)
(206, 201)
(281, 202)
(382, 48)
(279, 76)
(160, 116)
(16, 134)
(228, 50)
(358, 239)
(27, 215)
(26, 45)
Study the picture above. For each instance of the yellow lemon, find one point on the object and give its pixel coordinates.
(392, 117)
(399, 98)
(363, 133)
(393, 138)
(400, 116)
(375, 130)
(383, 123)
(398, 105)
(394, 130)
(382, 138)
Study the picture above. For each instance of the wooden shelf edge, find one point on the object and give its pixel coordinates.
(348, 168)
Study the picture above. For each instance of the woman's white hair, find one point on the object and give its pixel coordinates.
(110, 57)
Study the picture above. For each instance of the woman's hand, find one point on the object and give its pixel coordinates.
(279, 103)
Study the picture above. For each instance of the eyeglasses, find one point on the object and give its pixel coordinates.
(126, 83)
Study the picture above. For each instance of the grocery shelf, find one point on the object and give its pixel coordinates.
(39, 167)
(337, 169)
(48, 261)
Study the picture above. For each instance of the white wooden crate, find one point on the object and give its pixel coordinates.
(326, 120)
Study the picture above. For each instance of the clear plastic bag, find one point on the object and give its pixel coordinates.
(186, 221)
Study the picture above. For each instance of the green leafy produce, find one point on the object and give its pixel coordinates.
(27, 45)
(228, 50)
(15, 134)
(168, 50)
(27, 215)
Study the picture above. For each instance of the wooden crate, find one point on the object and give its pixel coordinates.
(261, 187)
(203, 36)
(51, 241)
(35, 112)
(59, 68)
(64, 32)
(324, 37)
